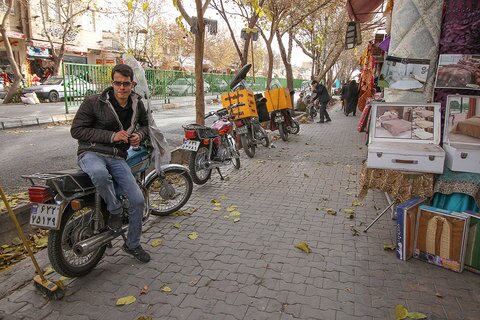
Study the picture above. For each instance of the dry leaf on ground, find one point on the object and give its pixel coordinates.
(144, 290)
(304, 247)
(331, 212)
(388, 247)
(177, 225)
(156, 242)
(192, 235)
(166, 289)
(126, 300)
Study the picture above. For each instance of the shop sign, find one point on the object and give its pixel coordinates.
(15, 35)
(105, 61)
(38, 52)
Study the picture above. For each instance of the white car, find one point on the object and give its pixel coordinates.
(53, 88)
(185, 86)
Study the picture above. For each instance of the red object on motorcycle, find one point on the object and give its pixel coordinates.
(190, 134)
(222, 126)
(238, 123)
(217, 140)
(39, 194)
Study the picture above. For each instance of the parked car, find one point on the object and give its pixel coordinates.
(185, 86)
(2, 89)
(53, 89)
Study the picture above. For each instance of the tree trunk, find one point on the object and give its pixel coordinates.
(286, 62)
(199, 48)
(17, 76)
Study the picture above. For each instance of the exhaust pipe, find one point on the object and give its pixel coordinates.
(91, 244)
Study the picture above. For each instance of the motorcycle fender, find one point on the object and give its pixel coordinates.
(164, 168)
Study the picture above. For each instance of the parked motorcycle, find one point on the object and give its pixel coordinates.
(312, 109)
(280, 117)
(211, 147)
(67, 204)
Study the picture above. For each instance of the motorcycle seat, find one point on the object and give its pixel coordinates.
(73, 180)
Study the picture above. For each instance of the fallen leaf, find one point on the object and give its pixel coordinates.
(356, 203)
(224, 197)
(388, 247)
(156, 242)
(349, 193)
(177, 225)
(438, 295)
(144, 290)
(235, 213)
(331, 212)
(236, 219)
(63, 278)
(41, 243)
(217, 208)
(16, 241)
(214, 201)
(350, 216)
(48, 270)
(126, 300)
(192, 235)
(303, 246)
(166, 289)
(416, 315)
(145, 318)
(400, 312)
(233, 207)
(349, 211)
(260, 161)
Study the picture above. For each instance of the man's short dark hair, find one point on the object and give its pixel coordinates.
(124, 70)
(314, 82)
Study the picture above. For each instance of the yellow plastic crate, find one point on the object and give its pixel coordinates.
(278, 99)
(241, 96)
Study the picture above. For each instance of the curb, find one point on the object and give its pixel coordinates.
(35, 121)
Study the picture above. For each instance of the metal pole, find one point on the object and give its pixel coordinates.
(379, 216)
(253, 59)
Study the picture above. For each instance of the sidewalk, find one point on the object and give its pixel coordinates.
(250, 269)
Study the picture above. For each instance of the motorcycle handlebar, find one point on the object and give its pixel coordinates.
(220, 112)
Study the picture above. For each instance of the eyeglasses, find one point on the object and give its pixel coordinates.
(123, 84)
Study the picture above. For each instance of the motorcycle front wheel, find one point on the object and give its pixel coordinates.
(196, 166)
(75, 226)
(265, 139)
(248, 145)
(283, 131)
(169, 193)
(295, 127)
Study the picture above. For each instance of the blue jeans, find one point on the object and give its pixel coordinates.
(103, 171)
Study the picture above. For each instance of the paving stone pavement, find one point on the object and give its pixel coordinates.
(250, 269)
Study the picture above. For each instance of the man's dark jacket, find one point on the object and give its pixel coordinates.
(96, 123)
(321, 93)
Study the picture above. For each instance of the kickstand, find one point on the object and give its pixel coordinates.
(220, 173)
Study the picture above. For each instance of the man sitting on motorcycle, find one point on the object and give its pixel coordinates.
(106, 125)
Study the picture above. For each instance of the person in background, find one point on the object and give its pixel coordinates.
(343, 95)
(321, 93)
(35, 80)
(352, 98)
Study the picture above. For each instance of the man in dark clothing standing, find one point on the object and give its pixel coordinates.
(321, 93)
(106, 125)
(352, 98)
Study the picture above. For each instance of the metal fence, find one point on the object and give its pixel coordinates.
(81, 80)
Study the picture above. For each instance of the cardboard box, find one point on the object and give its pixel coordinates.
(406, 226)
(472, 255)
(441, 237)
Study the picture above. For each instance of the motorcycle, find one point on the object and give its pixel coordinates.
(211, 147)
(312, 109)
(281, 119)
(67, 204)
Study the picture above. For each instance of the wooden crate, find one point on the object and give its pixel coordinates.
(241, 96)
(278, 99)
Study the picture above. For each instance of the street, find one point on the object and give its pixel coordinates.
(48, 148)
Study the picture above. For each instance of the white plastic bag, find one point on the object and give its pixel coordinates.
(32, 95)
(28, 100)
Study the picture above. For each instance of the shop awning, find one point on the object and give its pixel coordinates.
(363, 10)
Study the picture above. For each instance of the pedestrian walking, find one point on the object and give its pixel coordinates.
(352, 98)
(321, 93)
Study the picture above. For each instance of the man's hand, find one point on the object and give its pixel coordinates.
(121, 136)
(134, 140)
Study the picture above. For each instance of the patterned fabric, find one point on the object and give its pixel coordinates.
(366, 80)
(459, 182)
(400, 186)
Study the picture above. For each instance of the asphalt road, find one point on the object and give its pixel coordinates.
(49, 148)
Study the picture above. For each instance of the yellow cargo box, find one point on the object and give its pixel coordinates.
(278, 99)
(241, 96)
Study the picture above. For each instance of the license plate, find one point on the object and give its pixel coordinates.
(279, 119)
(45, 215)
(191, 145)
(242, 130)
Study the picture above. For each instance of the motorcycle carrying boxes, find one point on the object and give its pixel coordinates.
(248, 110)
(278, 99)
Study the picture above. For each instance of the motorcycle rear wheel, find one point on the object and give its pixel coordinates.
(169, 194)
(265, 139)
(283, 131)
(248, 144)
(295, 127)
(199, 174)
(75, 226)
